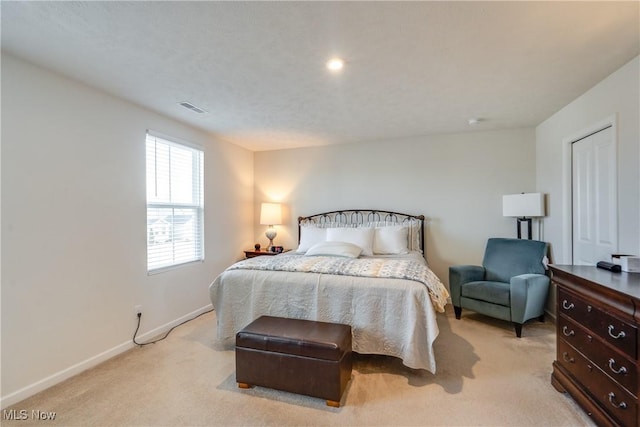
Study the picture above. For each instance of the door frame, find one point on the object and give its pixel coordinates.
(567, 179)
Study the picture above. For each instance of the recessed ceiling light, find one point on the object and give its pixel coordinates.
(335, 64)
(473, 121)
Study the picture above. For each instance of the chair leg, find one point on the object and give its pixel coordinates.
(518, 327)
(457, 311)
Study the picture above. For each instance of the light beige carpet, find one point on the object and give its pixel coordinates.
(485, 377)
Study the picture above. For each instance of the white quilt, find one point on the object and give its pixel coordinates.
(389, 316)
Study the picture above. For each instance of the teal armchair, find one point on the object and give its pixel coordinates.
(511, 284)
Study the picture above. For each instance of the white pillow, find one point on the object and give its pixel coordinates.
(390, 240)
(362, 237)
(341, 249)
(414, 227)
(309, 236)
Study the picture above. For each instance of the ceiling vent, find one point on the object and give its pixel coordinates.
(192, 107)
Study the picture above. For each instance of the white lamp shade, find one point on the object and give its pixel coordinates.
(525, 205)
(271, 214)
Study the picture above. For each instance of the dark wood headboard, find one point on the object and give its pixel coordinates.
(362, 216)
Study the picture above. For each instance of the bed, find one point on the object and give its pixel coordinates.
(364, 268)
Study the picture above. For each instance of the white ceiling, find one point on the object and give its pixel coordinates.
(257, 68)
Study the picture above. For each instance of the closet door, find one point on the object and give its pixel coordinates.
(594, 198)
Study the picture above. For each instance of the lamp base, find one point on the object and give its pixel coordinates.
(271, 234)
(519, 227)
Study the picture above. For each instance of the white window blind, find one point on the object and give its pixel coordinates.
(175, 205)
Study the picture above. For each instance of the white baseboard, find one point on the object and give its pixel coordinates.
(69, 372)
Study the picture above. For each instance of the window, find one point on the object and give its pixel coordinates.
(175, 205)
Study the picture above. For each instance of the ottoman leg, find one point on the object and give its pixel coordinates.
(244, 385)
(333, 403)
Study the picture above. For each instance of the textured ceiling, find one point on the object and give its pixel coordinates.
(257, 68)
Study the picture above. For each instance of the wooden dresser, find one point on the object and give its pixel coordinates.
(598, 313)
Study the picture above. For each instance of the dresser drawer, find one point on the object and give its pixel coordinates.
(621, 334)
(614, 363)
(612, 398)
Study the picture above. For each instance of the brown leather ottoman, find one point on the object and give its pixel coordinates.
(298, 356)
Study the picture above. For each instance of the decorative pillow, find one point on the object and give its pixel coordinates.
(310, 235)
(362, 237)
(340, 249)
(390, 240)
(413, 231)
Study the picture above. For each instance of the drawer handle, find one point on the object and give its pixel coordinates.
(622, 369)
(568, 359)
(566, 305)
(620, 405)
(620, 335)
(567, 332)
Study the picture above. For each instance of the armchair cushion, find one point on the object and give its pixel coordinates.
(494, 292)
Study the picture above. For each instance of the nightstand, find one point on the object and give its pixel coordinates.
(254, 253)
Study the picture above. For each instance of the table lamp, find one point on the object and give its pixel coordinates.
(523, 206)
(271, 214)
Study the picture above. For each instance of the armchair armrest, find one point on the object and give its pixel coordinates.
(461, 274)
(528, 296)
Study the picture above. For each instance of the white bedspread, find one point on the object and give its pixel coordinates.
(388, 316)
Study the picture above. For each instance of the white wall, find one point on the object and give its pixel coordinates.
(456, 181)
(73, 227)
(619, 96)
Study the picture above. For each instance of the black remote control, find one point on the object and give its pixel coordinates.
(609, 266)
